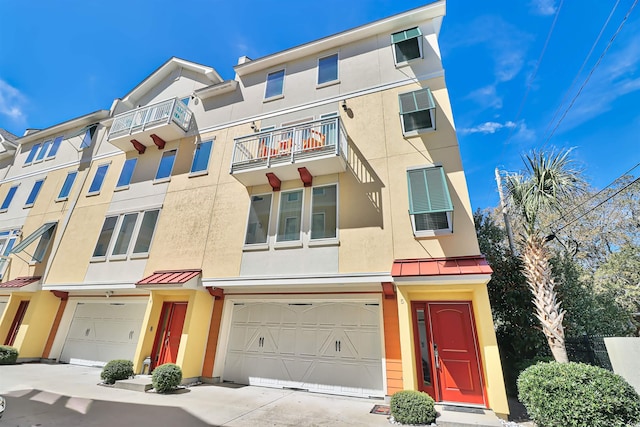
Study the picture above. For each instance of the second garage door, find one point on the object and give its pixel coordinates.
(102, 332)
(327, 347)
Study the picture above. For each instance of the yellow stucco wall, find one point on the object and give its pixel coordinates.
(36, 324)
(477, 294)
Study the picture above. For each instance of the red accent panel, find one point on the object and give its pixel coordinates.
(388, 290)
(274, 181)
(305, 176)
(217, 293)
(17, 321)
(158, 141)
(140, 148)
(169, 333)
(169, 277)
(441, 266)
(61, 294)
(19, 282)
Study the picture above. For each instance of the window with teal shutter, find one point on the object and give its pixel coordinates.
(417, 111)
(407, 45)
(430, 204)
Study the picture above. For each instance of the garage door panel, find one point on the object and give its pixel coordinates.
(102, 332)
(331, 347)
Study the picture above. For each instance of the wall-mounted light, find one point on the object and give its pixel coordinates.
(254, 127)
(108, 293)
(344, 106)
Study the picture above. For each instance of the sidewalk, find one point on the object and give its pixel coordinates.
(214, 405)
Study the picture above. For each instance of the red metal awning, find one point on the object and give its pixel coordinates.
(441, 266)
(169, 277)
(19, 282)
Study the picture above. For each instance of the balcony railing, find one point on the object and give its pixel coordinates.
(320, 138)
(138, 120)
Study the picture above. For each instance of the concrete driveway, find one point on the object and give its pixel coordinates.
(72, 394)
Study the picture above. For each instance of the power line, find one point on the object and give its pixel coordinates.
(593, 196)
(593, 69)
(586, 59)
(599, 204)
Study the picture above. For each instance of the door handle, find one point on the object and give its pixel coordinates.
(436, 356)
(336, 345)
(339, 345)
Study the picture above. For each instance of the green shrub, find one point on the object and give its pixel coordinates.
(166, 377)
(8, 355)
(117, 370)
(412, 407)
(575, 394)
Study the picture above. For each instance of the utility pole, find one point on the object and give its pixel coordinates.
(505, 213)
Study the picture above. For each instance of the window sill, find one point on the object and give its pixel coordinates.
(418, 132)
(429, 234)
(409, 62)
(118, 258)
(139, 256)
(3, 210)
(95, 193)
(273, 98)
(198, 173)
(324, 242)
(122, 188)
(327, 84)
(255, 247)
(288, 245)
(30, 205)
(33, 263)
(161, 180)
(61, 199)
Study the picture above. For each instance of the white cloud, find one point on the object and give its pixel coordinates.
(543, 7)
(489, 128)
(11, 102)
(486, 96)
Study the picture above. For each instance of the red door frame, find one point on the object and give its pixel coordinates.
(168, 334)
(17, 321)
(435, 390)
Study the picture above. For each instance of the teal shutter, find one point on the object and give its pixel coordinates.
(428, 191)
(418, 100)
(405, 35)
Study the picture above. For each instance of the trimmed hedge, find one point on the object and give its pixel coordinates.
(8, 355)
(115, 370)
(575, 394)
(412, 407)
(166, 377)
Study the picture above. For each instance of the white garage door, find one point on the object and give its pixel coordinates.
(101, 332)
(327, 347)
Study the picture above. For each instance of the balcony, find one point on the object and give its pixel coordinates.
(319, 146)
(150, 125)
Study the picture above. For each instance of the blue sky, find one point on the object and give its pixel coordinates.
(60, 60)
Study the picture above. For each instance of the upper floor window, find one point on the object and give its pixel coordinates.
(88, 137)
(126, 235)
(201, 157)
(407, 45)
(45, 148)
(275, 84)
(32, 154)
(44, 233)
(258, 223)
(290, 216)
(34, 193)
(67, 185)
(53, 149)
(430, 204)
(127, 173)
(7, 241)
(328, 69)
(417, 111)
(8, 198)
(98, 179)
(324, 212)
(166, 165)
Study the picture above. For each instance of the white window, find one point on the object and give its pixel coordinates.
(430, 204)
(328, 69)
(67, 185)
(200, 163)
(324, 212)
(126, 174)
(290, 216)
(417, 112)
(275, 84)
(98, 179)
(166, 165)
(258, 222)
(8, 198)
(407, 45)
(127, 235)
(37, 186)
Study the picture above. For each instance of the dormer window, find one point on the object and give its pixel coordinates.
(407, 45)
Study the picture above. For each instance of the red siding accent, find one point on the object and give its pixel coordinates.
(305, 176)
(158, 141)
(140, 148)
(440, 266)
(19, 282)
(274, 181)
(176, 277)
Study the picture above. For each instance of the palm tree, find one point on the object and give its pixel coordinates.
(548, 182)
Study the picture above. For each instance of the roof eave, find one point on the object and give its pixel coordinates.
(411, 17)
(96, 116)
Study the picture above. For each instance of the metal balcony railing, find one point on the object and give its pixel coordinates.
(165, 112)
(288, 144)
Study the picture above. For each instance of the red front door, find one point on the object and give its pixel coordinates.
(447, 352)
(169, 333)
(17, 321)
